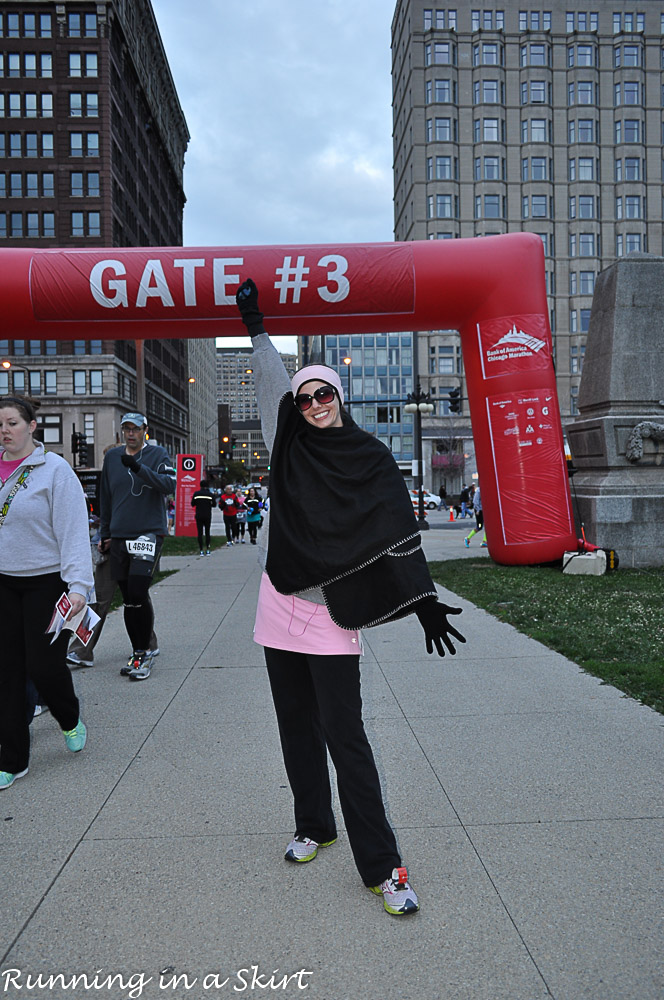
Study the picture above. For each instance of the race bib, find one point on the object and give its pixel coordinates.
(144, 545)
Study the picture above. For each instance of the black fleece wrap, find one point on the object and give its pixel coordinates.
(341, 519)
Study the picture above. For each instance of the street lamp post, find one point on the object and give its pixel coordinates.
(347, 361)
(418, 403)
(9, 365)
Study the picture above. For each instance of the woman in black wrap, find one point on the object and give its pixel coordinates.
(339, 558)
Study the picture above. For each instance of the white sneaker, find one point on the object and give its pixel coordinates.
(303, 849)
(399, 897)
(74, 660)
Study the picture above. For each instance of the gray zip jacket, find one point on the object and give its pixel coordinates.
(46, 529)
(133, 503)
(272, 383)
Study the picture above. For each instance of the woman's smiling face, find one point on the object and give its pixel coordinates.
(321, 414)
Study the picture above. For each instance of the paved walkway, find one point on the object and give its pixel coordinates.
(527, 799)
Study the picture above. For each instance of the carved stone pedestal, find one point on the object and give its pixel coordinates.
(617, 442)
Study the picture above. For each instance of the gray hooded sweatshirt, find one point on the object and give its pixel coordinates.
(46, 529)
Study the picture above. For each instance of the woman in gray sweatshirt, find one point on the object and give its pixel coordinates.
(44, 550)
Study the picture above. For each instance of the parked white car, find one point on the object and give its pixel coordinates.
(431, 501)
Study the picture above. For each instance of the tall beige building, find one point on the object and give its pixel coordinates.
(546, 118)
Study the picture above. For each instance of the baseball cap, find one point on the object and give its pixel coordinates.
(134, 418)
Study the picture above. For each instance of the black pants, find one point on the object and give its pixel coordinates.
(319, 707)
(27, 604)
(133, 578)
(230, 524)
(200, 525)
(253, 529)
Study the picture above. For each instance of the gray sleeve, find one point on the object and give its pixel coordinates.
(272, 382)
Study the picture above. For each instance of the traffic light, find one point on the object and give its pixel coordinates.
(455, 400)
(79, 446)
(82, 450)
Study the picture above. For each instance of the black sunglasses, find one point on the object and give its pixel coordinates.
(323, 394)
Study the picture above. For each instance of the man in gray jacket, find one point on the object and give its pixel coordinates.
(135, 480)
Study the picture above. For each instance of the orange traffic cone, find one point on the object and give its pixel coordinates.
(451, 513)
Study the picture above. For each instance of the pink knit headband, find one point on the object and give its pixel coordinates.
(316, 373)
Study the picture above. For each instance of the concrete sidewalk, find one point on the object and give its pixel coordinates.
(527, 798)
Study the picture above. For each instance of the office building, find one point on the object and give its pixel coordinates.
(537, 117)
(92, 144)
(236, 389)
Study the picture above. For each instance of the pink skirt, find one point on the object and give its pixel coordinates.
(300, 626)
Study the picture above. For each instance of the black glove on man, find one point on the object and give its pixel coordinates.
(130, 462)
(432, 616)
(247, 302)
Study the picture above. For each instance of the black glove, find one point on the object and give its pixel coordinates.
(247, 302)
(432, 616)
(130, 462)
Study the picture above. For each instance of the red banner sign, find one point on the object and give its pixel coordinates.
(189, 472)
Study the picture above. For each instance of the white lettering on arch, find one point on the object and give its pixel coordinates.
(159, 290)
(189, 265)
(116, 285)
(221, 296)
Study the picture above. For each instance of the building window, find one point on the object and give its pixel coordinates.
(586, 282)
(46, 64)
(633, 243)
(539, 206)
(79, 383)
(77, 224)
(576, 356)
(48, 224)
(586, 246)
(50, 383)
(96, 383)
(633, 206)
(50, 426)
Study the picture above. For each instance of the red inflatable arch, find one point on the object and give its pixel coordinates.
(492, 290)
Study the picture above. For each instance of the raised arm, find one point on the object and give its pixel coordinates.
(271, 378)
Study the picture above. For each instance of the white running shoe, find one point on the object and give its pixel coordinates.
(303, 849)
(399, 897)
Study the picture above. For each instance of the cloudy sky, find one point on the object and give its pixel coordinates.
(289, 109)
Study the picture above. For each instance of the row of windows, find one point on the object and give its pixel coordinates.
(31, 144)
(19, 225)
(21, 348)
(83, 383)
(532, 54)
(534, 92)
(34, 185)
(441, 21)
(534, 20)
(27, 64)
(41, 25)
(32, 105)
(628, 130)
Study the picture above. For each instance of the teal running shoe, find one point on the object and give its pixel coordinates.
(75, 738)
(7, 778)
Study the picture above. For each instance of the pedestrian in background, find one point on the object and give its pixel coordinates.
(44, 550)
(203, 502)
(254, 507)
(136, 478)
(229, 504)
(479, 519)
(330, 571)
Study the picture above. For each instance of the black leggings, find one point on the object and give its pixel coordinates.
(200, 525)
(319, 708)
(133, 578)
(27, 604)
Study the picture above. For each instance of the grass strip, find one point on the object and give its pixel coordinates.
(611, 625)
(188, 546)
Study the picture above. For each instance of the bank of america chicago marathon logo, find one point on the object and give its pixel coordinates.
(514, 344)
